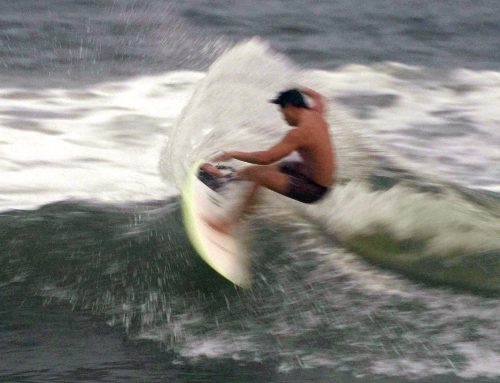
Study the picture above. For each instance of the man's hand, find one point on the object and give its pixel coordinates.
(319, 101)
(224, 156)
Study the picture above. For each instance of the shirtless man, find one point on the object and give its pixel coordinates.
(306, 181)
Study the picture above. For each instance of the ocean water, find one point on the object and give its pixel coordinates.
(104, 105)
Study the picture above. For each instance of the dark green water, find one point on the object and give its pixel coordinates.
(104, 293)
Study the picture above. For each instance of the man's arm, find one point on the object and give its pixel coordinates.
(286, 146)
(319, 100)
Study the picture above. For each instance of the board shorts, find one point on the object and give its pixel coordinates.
(300, 186)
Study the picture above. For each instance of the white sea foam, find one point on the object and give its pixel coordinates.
(447, 222)
(102, 142)
(97, 143)
(443, 123)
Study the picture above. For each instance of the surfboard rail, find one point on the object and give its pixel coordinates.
(223, 252)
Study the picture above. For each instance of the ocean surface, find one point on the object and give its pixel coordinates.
(104, 106)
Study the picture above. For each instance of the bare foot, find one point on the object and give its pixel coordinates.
(222, 225)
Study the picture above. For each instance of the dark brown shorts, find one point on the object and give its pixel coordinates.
(300, 186)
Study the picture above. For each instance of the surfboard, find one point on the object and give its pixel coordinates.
(202, 198)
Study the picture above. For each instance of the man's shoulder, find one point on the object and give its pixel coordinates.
(299, 135)
(296, 132)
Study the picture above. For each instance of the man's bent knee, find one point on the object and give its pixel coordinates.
(247, 174)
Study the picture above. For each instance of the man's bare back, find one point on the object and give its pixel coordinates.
(316, 149)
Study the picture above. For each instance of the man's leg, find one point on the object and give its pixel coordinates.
(247, 203)
(262, 176)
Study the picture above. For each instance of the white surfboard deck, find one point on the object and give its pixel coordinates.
(223, 252)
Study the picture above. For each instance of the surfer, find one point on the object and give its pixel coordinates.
(307, 180)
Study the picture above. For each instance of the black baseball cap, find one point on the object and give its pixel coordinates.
(290, 97)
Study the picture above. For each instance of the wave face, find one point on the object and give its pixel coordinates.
(314, 305)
